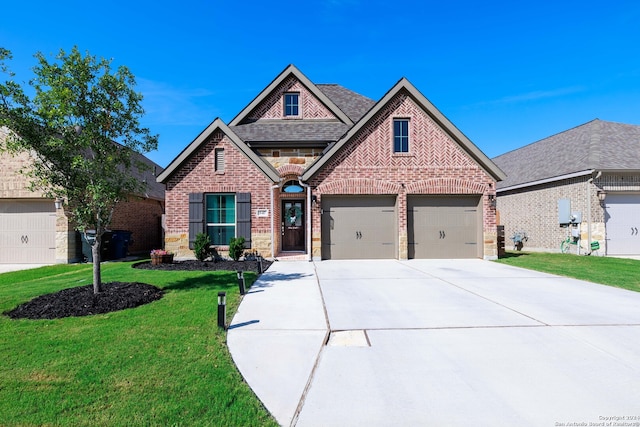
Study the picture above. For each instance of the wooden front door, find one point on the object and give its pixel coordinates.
(293, 225)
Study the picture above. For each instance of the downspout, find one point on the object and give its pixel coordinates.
(273, 243)
(308, 221)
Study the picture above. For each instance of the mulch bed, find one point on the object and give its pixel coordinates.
(81, 301)
(193, 265)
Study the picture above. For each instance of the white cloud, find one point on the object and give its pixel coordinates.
(536, 95)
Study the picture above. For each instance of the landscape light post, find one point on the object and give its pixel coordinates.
(222, 310)
(241, 282)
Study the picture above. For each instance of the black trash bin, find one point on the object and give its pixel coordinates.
(120, 241)
(105, 245)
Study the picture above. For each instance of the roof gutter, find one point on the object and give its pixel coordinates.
(546, 180)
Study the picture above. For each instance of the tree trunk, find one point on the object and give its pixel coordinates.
(95, 251)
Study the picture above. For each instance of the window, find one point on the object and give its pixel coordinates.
(401, 135)
(292, 187)
(220, 210)
(291, 104)
(219, 160)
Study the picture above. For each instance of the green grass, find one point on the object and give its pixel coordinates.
(619, 272)
(161, 364)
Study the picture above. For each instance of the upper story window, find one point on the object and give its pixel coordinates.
(400, 135)
(291, 104)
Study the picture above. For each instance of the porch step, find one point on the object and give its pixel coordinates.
(291, 256)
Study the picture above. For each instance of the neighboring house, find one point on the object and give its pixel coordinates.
(596, 167)
(34, 231)
(321, 171)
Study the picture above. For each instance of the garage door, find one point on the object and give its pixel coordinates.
(444, 226)
(27, 232)
(359, 227)
(622, 219)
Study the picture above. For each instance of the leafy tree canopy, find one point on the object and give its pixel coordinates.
(82, 127)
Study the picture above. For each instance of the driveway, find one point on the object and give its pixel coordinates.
(437, 342)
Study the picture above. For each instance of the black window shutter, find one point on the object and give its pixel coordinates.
(243, 204)
(196, 216)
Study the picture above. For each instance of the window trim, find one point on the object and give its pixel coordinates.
(402, 138)
(296, 105)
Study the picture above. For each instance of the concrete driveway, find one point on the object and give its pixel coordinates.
(437, 342)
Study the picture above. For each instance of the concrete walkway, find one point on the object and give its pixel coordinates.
(436, 342)
(7, 268)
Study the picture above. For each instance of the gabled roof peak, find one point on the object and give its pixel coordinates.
(291, 70)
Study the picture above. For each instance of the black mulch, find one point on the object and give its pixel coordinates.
(81, 301)
(189, 265)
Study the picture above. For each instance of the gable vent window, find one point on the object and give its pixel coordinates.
(219, 160)
(291, 104)
(401, 135)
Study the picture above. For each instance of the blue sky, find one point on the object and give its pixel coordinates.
(506, 73)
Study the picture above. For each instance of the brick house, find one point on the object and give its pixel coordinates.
(34, 231)
(592, 171)
(321, 171)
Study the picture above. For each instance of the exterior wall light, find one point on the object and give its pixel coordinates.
(601, 195)
(58, 203)
(492, 200)
(222, 310)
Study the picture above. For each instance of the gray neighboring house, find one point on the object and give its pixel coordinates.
(596, 166)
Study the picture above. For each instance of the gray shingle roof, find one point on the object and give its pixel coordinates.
(291, 130)
(351, 103)
(597, 145)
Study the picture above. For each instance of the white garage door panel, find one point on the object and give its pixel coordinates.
(622, 218)
(27, 232)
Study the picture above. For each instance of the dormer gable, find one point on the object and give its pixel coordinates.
(291, 96)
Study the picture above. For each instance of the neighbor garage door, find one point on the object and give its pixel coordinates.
(444, 226)
(623, 224)
(27, 232)
(359, 227)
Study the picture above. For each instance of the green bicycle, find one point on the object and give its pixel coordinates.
(565, 246)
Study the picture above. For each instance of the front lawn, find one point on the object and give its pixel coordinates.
(619, 272)
(162, 364)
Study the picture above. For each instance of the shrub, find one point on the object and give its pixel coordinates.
(201, 247)
(236, 247)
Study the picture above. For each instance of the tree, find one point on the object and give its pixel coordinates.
(82, 128)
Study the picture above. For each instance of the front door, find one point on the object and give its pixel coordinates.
(293, 225)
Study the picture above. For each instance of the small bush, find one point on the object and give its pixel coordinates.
(201, 247)
(236, 247)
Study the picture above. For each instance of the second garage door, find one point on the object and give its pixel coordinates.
(359, 227)
(623, 224)
(27, 232)
(444, 226)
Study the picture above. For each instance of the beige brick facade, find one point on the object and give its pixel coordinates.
(140, 216)
(535, 211)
